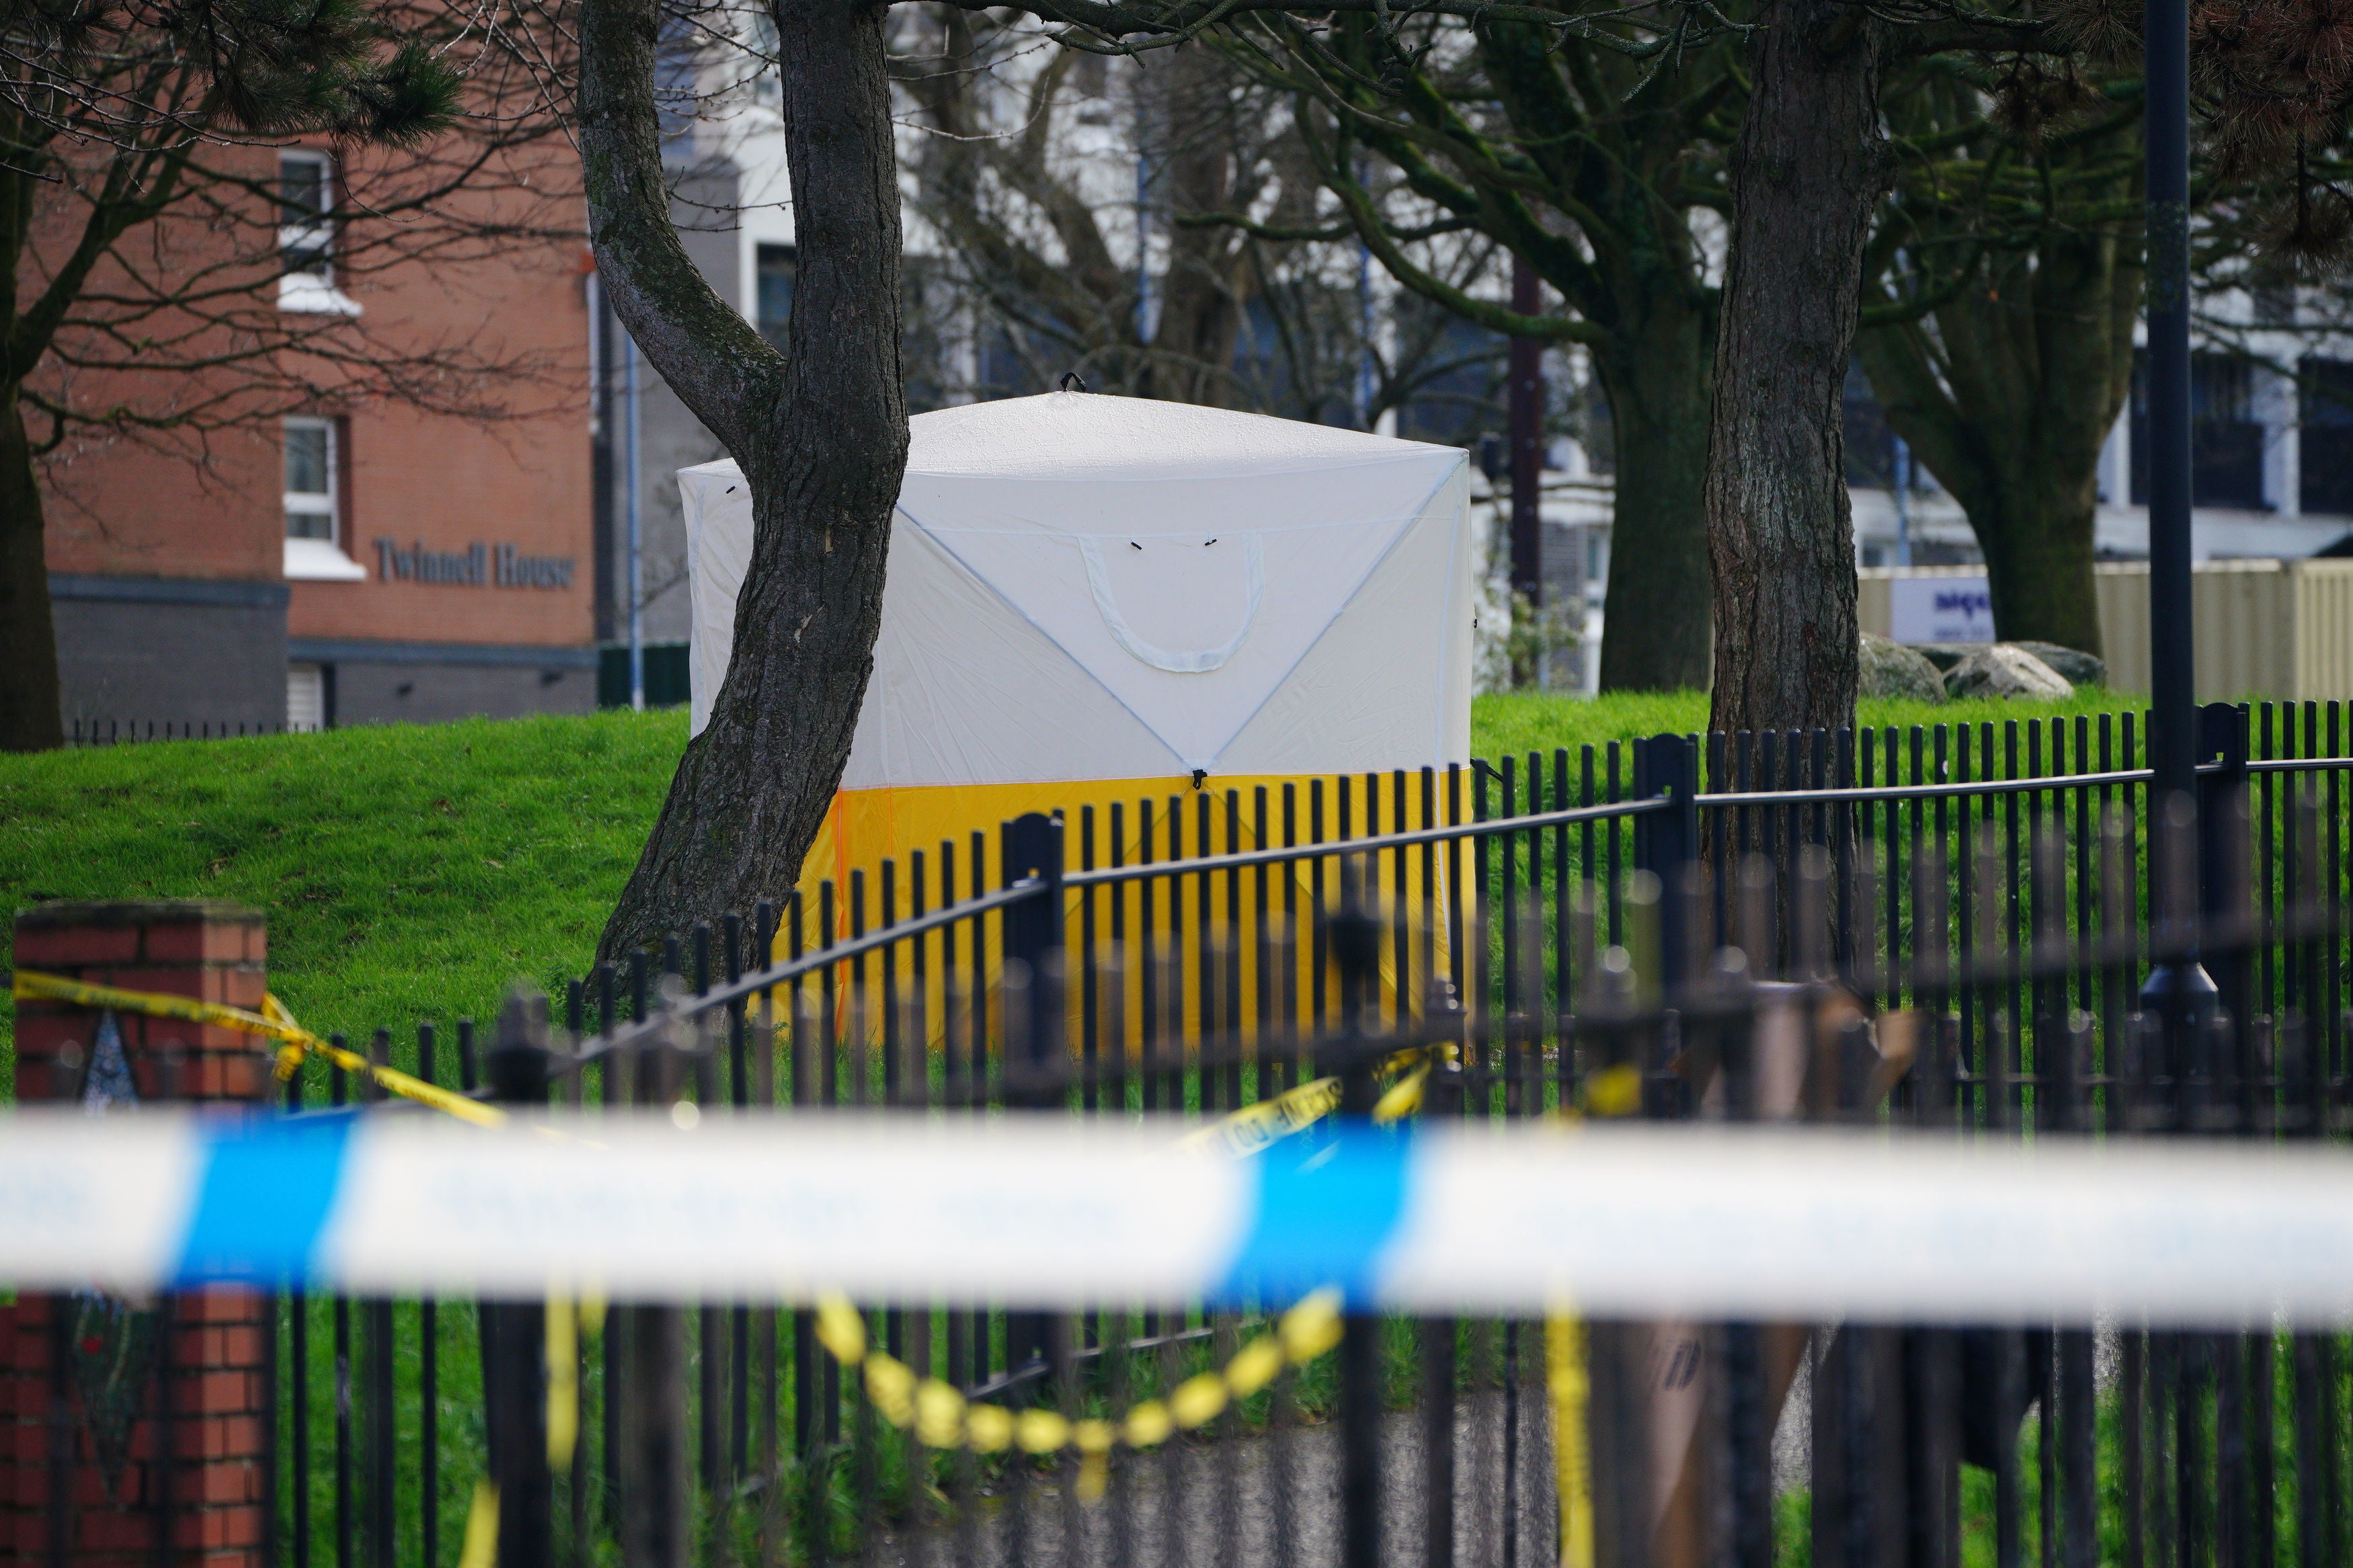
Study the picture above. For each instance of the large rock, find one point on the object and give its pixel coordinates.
(2073, 665)
(2005, 670)
(1891, 670)
(1944, 654)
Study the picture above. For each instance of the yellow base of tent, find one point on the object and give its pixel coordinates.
(877, 845)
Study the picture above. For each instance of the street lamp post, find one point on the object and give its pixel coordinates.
(1526, 404)
(2177, 987)
(2172, 670)
(630, 434)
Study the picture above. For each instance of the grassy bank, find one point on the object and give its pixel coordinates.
(411, 872)
(407, 871)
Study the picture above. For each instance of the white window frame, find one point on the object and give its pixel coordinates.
(318, 233)
(307, 502)
(760, 47)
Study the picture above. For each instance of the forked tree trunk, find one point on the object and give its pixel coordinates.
(2013, 410)
(30, 720)
(1810, 168)
(821, 433)
(1656, 610)
(2023, 465)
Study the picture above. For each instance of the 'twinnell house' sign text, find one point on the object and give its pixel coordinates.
(476, 566)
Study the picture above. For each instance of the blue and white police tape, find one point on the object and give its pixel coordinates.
(1040, 1211)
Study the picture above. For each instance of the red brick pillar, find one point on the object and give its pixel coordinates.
(137, 1432)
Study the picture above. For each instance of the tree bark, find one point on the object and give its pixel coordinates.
(820, 432)
(1191, 354)
(1656, 607)
(30, 717)
(1809, 169)
(2039, 568)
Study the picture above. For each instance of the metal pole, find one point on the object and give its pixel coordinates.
(514, 1365)
(2178, 989)
(629, 485)
(2171, 670)
(1526, 415)
(1903, 502)
(1147, 307)
(1353, 936)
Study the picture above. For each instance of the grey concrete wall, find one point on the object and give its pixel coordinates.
(142, 651)
(432, 684)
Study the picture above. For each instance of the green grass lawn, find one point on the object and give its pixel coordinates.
(411, 872)
(1537, 722)
(408, 871)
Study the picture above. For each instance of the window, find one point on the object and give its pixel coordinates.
(2325, 481)
(310, 479)
(2226, 442)
(776, 271)
(1461, 375)
(931, 334)
(306, 204)
(767, 86)
(1870, 440)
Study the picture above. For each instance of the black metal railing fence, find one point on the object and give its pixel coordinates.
(1601, 931)
(90, 731)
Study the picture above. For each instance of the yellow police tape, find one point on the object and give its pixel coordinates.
(941, 1418)
(274, 1021)
(1570, 1385)
(1244, 1133)
(481, 1548)
(1257, 1126)
(937, 1412)
(1240, 1133)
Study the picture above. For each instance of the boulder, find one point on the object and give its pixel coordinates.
(1891, 670)
(2073, 665)
(2005, 670)
(1944, 654)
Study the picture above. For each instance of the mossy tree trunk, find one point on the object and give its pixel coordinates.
(820, 432)
(1656, 374)
(1589, 174)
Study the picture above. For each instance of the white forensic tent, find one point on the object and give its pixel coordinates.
(1096, 598)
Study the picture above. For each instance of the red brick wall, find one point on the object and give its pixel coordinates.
(211, 1480)
(517, 472)
(119, 510)
(179, 503)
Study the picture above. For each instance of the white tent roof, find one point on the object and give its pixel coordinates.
(1089, 587)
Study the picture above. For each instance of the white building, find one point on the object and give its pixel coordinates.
(2271, 393)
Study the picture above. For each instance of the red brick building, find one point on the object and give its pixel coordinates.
(366, 563)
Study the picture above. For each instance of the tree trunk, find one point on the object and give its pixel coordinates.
(2009, 404)
(2038, 554)
(1191, 355)
(2025, 471)
(29, 716)
(1656, 612)
(821, 433)
(1810, 168)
